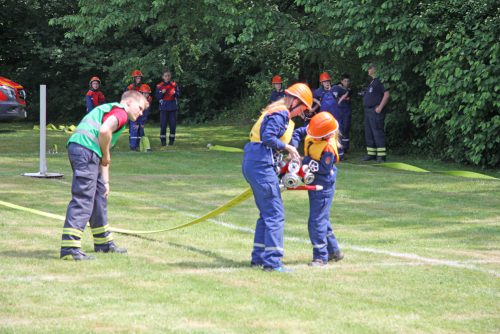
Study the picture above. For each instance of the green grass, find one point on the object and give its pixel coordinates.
(197, 280)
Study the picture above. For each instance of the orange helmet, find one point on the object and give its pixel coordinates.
(276, 80)
(94, 79)
(145, 88)
(136, 73)
(322, 125)
(324, 77)
(302, 92)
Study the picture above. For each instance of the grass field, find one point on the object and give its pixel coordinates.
(422, 250)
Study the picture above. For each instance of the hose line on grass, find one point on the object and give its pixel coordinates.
(223, 208)
(392, 165)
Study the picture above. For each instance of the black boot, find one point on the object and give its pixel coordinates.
(381, 159)
(369, 157)
(75, 254)
(109, 248)
(335, 256)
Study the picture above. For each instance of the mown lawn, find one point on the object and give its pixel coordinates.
(422, 250)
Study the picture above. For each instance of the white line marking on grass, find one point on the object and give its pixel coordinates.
(406, 256)
(409, 256)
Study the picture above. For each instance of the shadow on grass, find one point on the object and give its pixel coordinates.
(220, 261)
(31, 254)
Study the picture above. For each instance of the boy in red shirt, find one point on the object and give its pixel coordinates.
(88, 151)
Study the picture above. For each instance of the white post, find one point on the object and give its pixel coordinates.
(42, 173)
(43, 129)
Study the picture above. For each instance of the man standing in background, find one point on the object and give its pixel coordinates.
(375, 99)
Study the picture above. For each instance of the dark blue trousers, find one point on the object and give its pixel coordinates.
(135, 134)
(320, 229)
(345, 127)
(374, 132)
(168, 118)
(268, 238)
(87, 204)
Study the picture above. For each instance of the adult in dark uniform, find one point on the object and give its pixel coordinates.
(375, 98)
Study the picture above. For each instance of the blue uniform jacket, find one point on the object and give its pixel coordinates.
(171, 104)
(275, 96)
(272, 128)
(345, 105)
(327, 172)
(328, 100)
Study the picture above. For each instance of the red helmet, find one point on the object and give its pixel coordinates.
(302, 92)
(324, 77)
(276, 80)
(322, 125)
(136, 73)
(144, 88)
(94, 79)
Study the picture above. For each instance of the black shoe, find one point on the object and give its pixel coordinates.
(369, 158)
(318, 263)
(170, 143)
(380, 159)
(76, 255)
(110, 248)
(335, 256)
(255, 265)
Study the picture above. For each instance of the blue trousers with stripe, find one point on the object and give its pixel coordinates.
(320, 229)
(374, 132)
(268, 238)
(88, 203)
(135, 134)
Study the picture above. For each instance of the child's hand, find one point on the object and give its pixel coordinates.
(293, 154)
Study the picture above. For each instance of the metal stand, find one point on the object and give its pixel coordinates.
(43, 147)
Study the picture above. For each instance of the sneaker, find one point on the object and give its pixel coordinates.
(280, 269)
(335, 256)
(76, 255)
(110, 248)
(369, 158)
(380, 159)
(318, 263)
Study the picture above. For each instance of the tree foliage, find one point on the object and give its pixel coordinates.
(440, 58)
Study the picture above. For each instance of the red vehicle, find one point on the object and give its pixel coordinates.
(12, 100)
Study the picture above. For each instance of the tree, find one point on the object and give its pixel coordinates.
(441, 60)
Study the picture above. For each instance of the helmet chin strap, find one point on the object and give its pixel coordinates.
(302, 115)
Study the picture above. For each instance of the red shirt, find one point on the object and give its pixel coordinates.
(120, 114)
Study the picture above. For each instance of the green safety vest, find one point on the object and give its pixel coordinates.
(87, 132)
